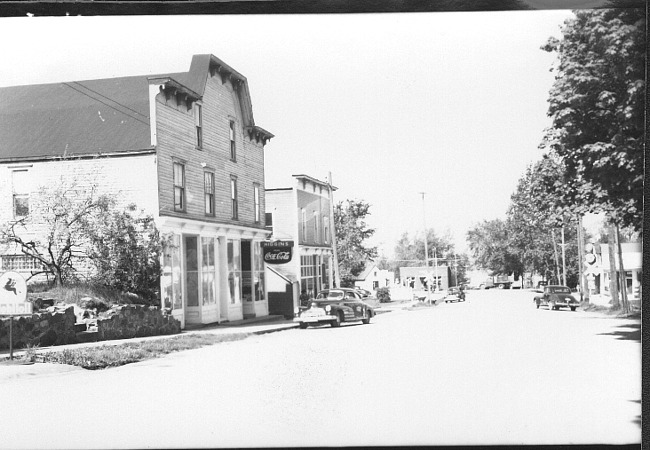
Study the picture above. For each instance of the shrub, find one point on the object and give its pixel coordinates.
(383, 294)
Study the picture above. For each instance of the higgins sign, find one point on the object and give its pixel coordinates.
(277, 252)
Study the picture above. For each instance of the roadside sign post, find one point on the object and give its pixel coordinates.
(13, 296)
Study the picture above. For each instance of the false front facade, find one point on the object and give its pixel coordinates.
(301, 215)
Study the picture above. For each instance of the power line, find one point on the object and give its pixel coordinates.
(104, 103)
(110, 99)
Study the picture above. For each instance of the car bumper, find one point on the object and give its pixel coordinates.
(314, 319)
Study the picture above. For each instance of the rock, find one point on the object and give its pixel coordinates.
(48, 338)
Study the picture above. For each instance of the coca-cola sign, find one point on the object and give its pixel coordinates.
(277, 252)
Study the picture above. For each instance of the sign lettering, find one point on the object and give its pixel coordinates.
(277, 252)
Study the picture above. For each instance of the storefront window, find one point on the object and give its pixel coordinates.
(208, 268)
(258, 266)
(309, 271)
(171, 277)
(234, 270)
(325, 272)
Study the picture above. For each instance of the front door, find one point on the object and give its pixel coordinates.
(248, 294)
(191, 260)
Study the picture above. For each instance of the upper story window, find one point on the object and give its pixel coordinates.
(316, 227)
(198, 123)
(326, 230)
(20, 188)
(303, 223)
(179, 187)
(256, 202)
(268, 221)
(233, 197)
(208, 187)
(233, 146)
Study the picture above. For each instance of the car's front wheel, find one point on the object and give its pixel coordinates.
(573, 308)
(337, 320)
(303, 325)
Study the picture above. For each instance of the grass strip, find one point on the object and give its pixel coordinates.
(105, 356)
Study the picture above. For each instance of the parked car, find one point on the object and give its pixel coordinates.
(556, 297)
(454, 295)
(335, 306)
(364, 293)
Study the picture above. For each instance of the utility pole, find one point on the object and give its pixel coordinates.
(613, 272)
(426, 245)
(622, 277)
(563, 259)
(557, 264)
(335, 255)
(584, 292)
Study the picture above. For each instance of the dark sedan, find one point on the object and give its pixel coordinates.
(556, 297)
(335, 306)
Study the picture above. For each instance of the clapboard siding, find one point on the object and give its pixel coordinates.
(177, 141)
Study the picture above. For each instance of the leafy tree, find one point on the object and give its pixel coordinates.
(125, 249)
(351, 232)
(536, 216)
(597, 107)
(73, 232)
(489, 242)
(53, 233)
(409, 252)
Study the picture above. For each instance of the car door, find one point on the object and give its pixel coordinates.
(352, 303)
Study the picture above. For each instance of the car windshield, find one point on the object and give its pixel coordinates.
(559, 290)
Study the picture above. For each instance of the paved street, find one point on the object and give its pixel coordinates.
(491, 370)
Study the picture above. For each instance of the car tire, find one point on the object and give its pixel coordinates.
(366, 317)
(501, 286)
(573, 308)
(337, 322)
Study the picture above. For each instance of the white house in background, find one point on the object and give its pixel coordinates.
(632, 263)
(372, 278)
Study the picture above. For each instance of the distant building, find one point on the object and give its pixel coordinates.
(373, 278)
(182, 146)
(598, 280)
(420, 278)
(302, 215)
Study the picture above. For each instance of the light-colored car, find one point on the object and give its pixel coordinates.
(556, 297)
(454, 294)
(335, 306)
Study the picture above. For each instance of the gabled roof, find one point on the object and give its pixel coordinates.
(64, 119)
(366, 272)
(101, 116)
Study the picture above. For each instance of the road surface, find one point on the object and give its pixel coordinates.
(492, 370)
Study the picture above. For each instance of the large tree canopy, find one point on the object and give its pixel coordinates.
(597, 107)
(536, 216)
(490, 246)
(351, 232)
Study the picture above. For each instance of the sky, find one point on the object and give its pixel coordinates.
(452, 104)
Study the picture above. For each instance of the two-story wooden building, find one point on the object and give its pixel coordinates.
(303, 215)
(182, 146)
